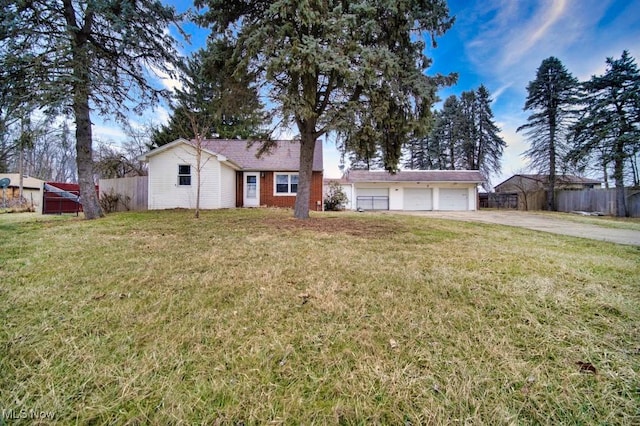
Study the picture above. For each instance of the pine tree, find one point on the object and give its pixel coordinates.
(219, 93)
(82, 57)
(609, 125)
(464, 136)
(489, 144)
(467, 130)
(448, 130)
(334, 66)
(552, 98)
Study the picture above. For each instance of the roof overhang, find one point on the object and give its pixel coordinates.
(221, 158)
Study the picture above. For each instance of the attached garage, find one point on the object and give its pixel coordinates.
(454, 199)
(372, 198)
(418, 199)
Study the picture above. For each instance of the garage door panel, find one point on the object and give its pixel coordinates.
(418, 199)
(372, 198)
(454, 199)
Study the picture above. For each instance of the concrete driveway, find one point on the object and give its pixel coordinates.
(541, 222)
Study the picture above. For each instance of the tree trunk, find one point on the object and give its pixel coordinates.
(21, 174)
(307, 148)
(618, 175)
(605, 174)
(84, 151)
(551, 193)
(81, 110)
(198, 173)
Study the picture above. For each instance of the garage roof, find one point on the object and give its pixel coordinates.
(27, 181)
(463, 176)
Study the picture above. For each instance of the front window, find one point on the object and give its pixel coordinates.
(286, 184)
(184, 175)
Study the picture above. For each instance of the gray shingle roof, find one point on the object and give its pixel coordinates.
(470, 176)
(562, 179)
(285, 156)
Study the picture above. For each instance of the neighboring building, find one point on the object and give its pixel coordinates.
(528, 192)
(527, 183)
(231, 175)
(31, 189)
(412, 190)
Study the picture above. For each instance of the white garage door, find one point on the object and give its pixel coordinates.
(417, 199)
(372, 198)
(454, 199)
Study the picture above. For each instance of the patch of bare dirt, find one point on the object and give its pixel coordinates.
(336, 225)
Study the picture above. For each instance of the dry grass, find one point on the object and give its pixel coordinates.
(632, 223)
(248, 316)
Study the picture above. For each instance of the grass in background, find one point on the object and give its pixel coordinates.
(251, 316)
(632, 223)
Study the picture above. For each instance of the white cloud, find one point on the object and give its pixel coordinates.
(505, 41)
(105, 132)
(169, 81)
(537, 28)
(499, 91)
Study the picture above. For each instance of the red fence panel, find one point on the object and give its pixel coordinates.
(60, 200)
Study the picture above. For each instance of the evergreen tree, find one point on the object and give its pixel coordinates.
(80, 57)
(489, 145)
(467, 131)
(552, 98)
(609, 125)
(420, 153)
(361, 148)
(335, 66)
(464, 136)
(217, 92)
(448, 130)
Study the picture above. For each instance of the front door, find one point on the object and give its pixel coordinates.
(251, 189)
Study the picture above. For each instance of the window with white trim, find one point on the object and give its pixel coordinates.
(184, 175)
(286, 184)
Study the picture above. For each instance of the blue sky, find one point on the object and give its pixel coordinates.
(501, 43)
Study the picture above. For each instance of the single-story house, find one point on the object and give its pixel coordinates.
(527, 183)
(412, 190)
(31, 189)
(231, 175)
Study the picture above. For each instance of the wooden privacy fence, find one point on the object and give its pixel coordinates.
(124, 194)
(597, 200)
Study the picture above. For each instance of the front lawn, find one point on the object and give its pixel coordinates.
(249, 316)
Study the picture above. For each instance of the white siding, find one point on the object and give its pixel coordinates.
(164, 191)
(473, 197)
(400, 195)
(348, 190)
(228, 187)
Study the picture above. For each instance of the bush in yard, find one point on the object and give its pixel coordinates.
(336, 198)
(109, 201)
